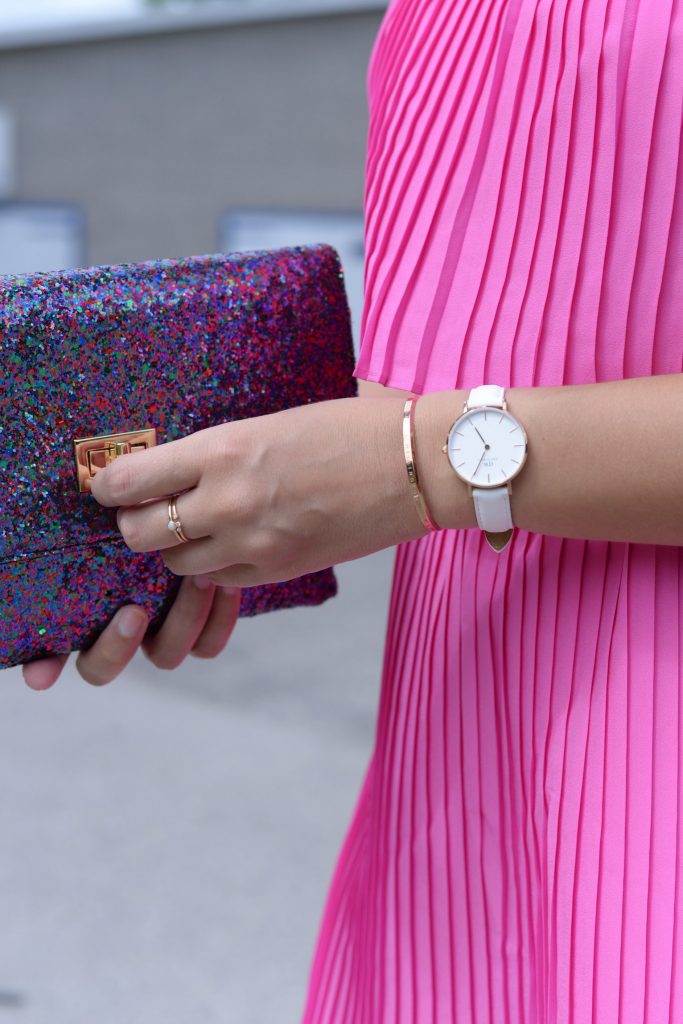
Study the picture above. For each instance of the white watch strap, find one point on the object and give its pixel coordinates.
(486, 394)
(492, 507)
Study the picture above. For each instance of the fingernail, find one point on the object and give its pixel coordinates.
(232, 591)
(203, 582)
(129, 622)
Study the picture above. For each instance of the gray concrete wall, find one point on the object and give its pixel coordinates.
(156, 135)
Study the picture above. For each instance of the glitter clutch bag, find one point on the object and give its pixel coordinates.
(99, 362)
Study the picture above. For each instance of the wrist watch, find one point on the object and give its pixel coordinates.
(487, 447)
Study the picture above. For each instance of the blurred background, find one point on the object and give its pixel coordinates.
(168, 840)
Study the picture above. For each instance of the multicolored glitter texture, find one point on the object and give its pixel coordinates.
(179, 345)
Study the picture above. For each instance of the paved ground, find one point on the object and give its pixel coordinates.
(167, 841)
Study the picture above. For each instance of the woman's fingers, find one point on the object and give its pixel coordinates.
(183, 624)
(145, 527)
(220, 623)
(43, 673)
(164, 469)
(103, 661)
(114, 647)
(199, 622)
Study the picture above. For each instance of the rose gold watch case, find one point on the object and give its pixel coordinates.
(494, 408)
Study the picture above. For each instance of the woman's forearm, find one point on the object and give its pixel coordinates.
(604, 461)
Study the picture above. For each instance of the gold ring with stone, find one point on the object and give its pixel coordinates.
(174, 520)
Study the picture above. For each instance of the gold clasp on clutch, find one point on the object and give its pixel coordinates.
(94, 453)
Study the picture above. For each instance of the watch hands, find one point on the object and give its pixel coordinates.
(486, 448)
(479, 463)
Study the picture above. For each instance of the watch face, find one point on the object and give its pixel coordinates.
(487, 446)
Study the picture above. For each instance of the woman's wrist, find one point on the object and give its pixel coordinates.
(445, 494)
(391, 485)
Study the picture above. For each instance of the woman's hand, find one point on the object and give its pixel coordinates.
(272, 497)
(279, 495)
(199, 622)
(310, 487)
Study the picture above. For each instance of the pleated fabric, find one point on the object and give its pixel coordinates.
(514, 856)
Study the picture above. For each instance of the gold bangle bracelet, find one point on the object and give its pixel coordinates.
(411, 466)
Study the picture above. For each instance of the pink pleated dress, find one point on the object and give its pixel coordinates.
(515, 852)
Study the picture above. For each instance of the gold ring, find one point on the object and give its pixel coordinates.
(174, 520)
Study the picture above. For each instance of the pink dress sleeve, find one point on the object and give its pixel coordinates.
(522, 223)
